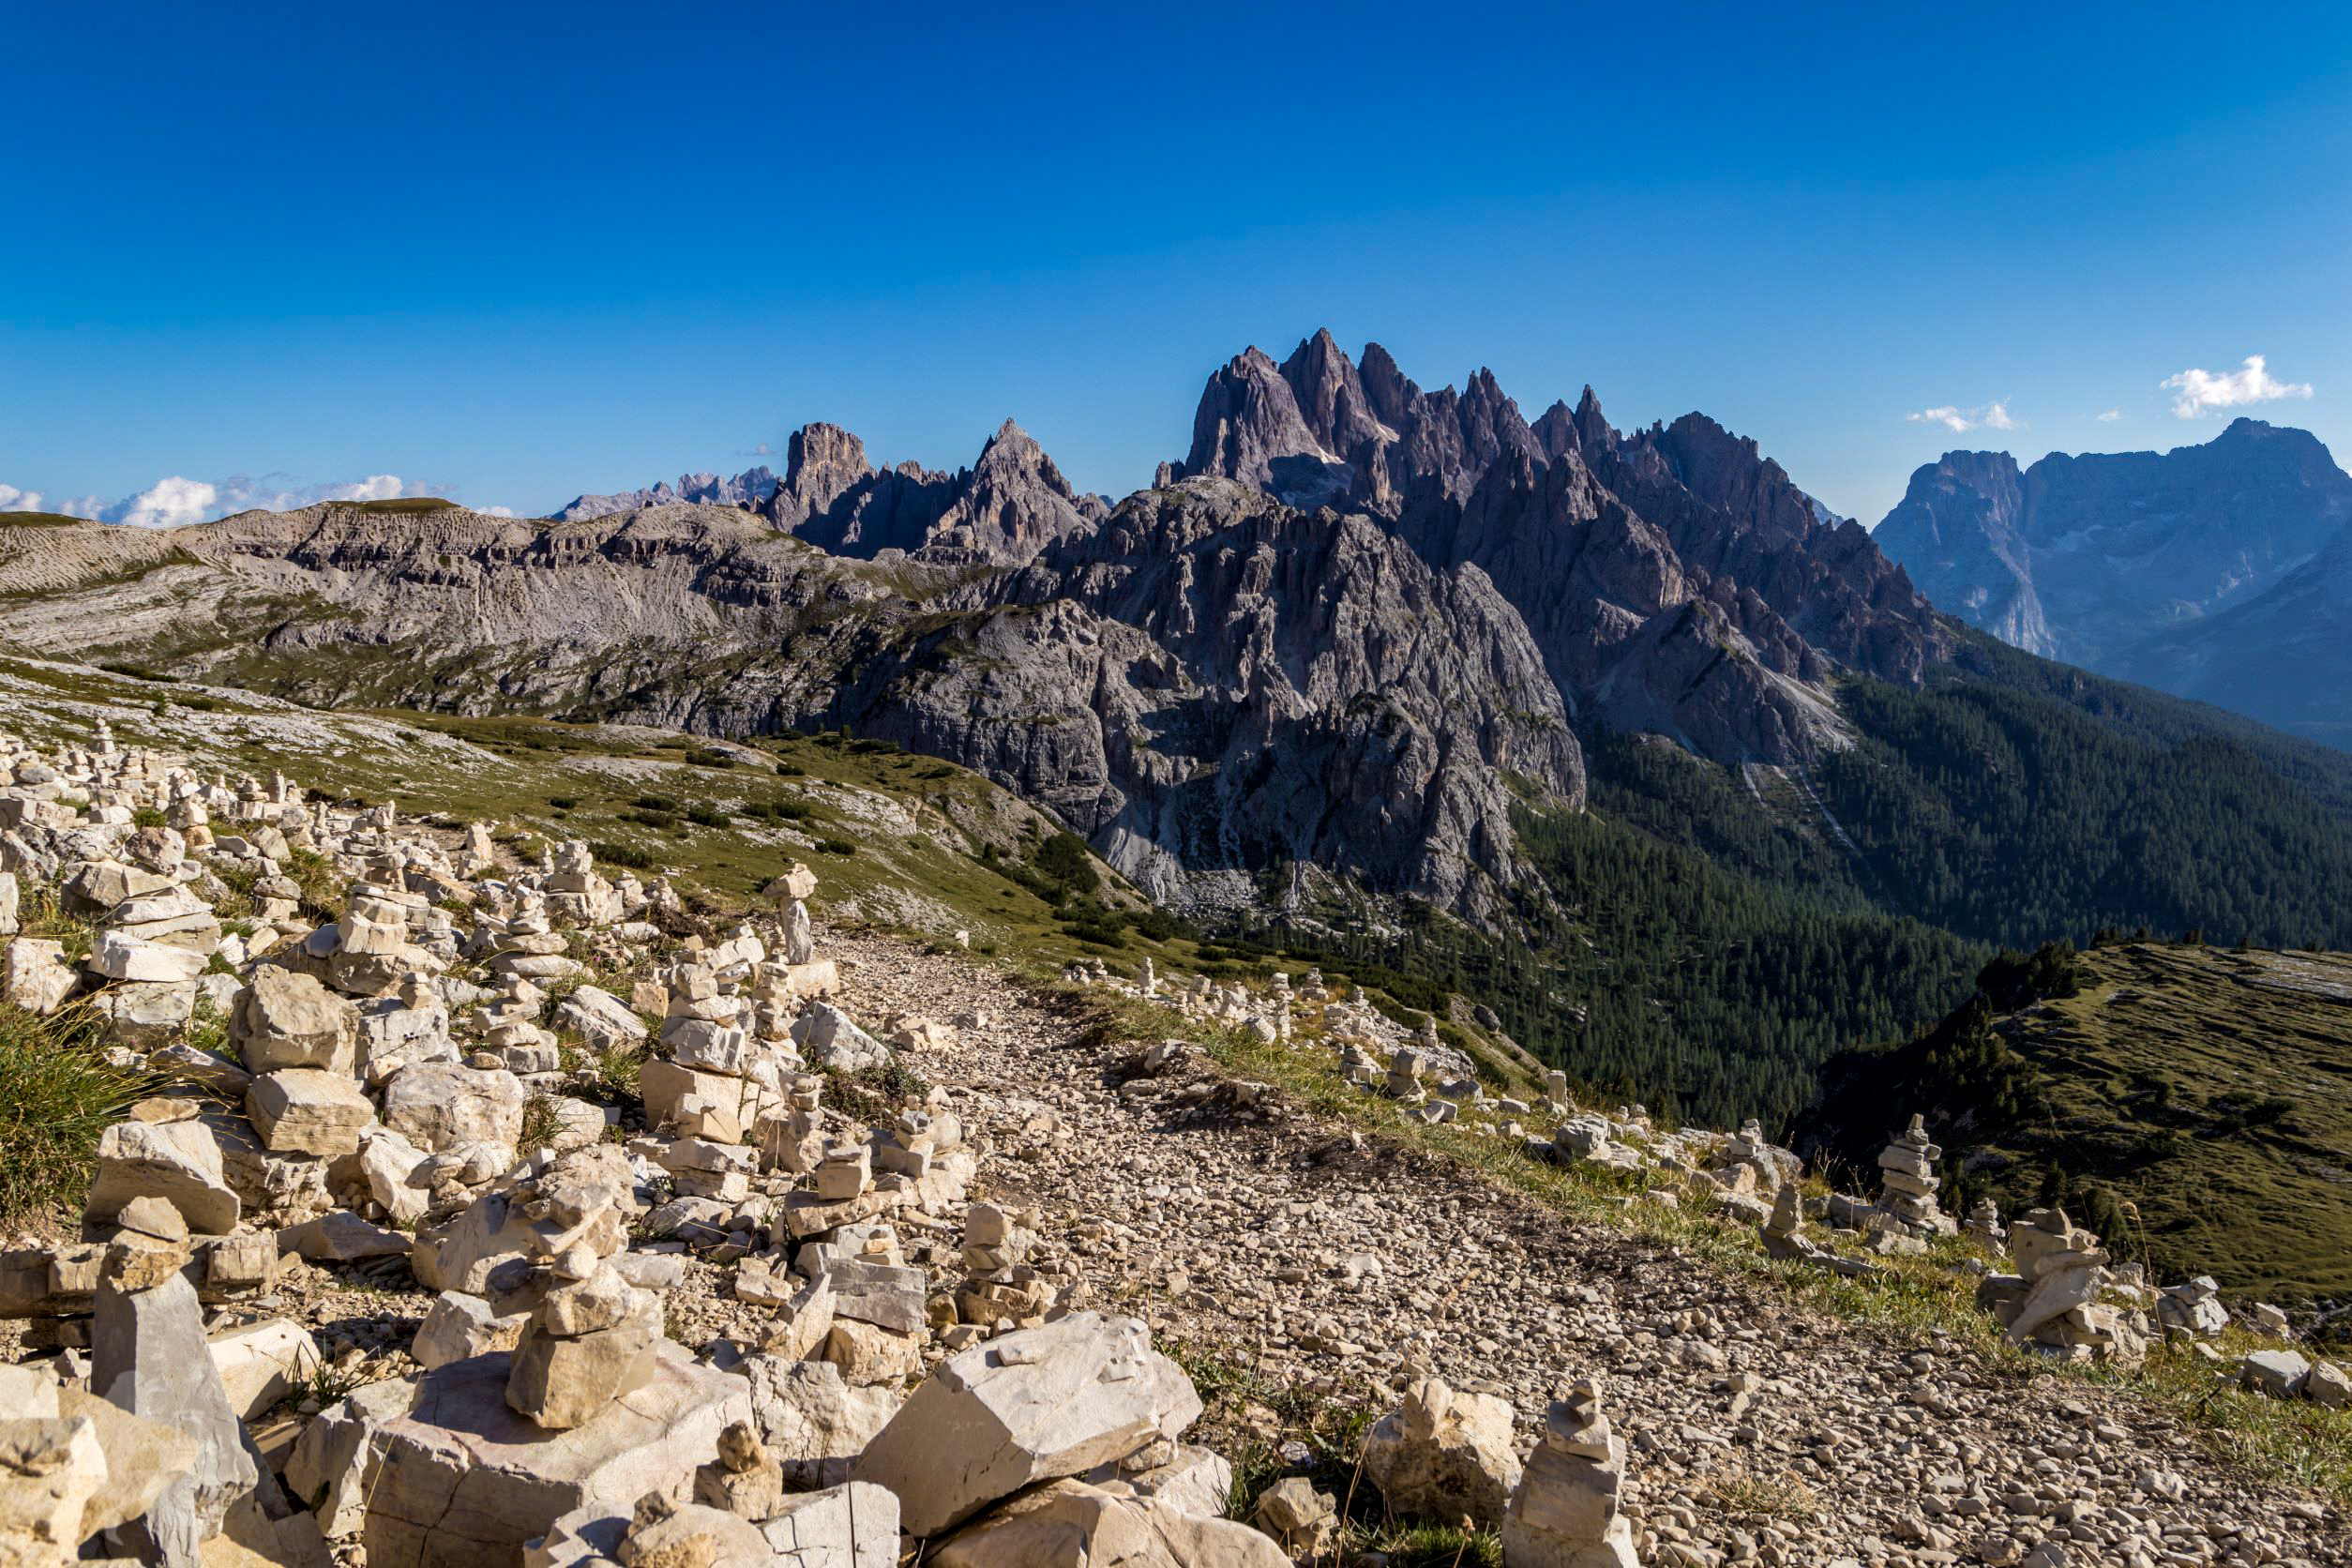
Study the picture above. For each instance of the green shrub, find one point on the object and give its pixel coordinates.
(620, 855)
(135, 672)
(58, 1094)
(1064, 858)
(836, 846)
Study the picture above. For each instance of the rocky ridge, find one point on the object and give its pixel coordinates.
(745, 491)
(1676, 581)
(751, 1310)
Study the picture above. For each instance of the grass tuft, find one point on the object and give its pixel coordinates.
(57, 1094)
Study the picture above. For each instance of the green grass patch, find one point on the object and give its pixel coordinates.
(58, 1094)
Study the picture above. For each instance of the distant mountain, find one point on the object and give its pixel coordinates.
(1002, 510)
(746, 489)
(2133, 563)
(2279, 656)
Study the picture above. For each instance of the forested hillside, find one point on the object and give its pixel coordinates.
(2009, 817)
(1704, 939)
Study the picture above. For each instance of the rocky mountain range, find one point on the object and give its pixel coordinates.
(746, 489)
(1356, 626)
(2278, 656)
(1002, 510)
(1342, 645)
(2137, 563)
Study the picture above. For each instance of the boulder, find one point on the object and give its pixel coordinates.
(307, 1111)
(1304, 1520)
(34, 974)
(866, 1354)
(142, 1459)
(118, 956)
(51, 1467)
(2329, 1384)
(850, 1525)
(260, 1364)
(691, 1535)
(877, 1294)
(1191, 1479)
(2279, 1374)
(439, 1105)
(1445, 1455)
(286, 1018)
(332, 1467)
(178, 1161)
(1031, 1406)
(457, 1327)
(831, 1039)
(812, 1421)
(148, 1356)
(340, 1236)
(464, 1481)
(602, 1020)
(1069, 1524)
(565, 1382)
(386, 1162)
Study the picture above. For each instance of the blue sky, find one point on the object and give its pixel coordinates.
(514, 253)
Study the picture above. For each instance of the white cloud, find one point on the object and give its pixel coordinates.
(178, 501)
(2111, 416)
(2200, 392)
(171, 502)
(495, 511)
(1994, 415)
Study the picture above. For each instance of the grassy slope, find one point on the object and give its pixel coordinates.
(2213, 1090)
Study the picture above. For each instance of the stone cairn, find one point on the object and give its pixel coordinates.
(2065, 1301)
(1907, 1211)
(1566, 1512)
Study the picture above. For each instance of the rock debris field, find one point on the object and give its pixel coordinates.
(472, 1205)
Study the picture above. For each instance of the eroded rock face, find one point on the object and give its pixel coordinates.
(1240, 685)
